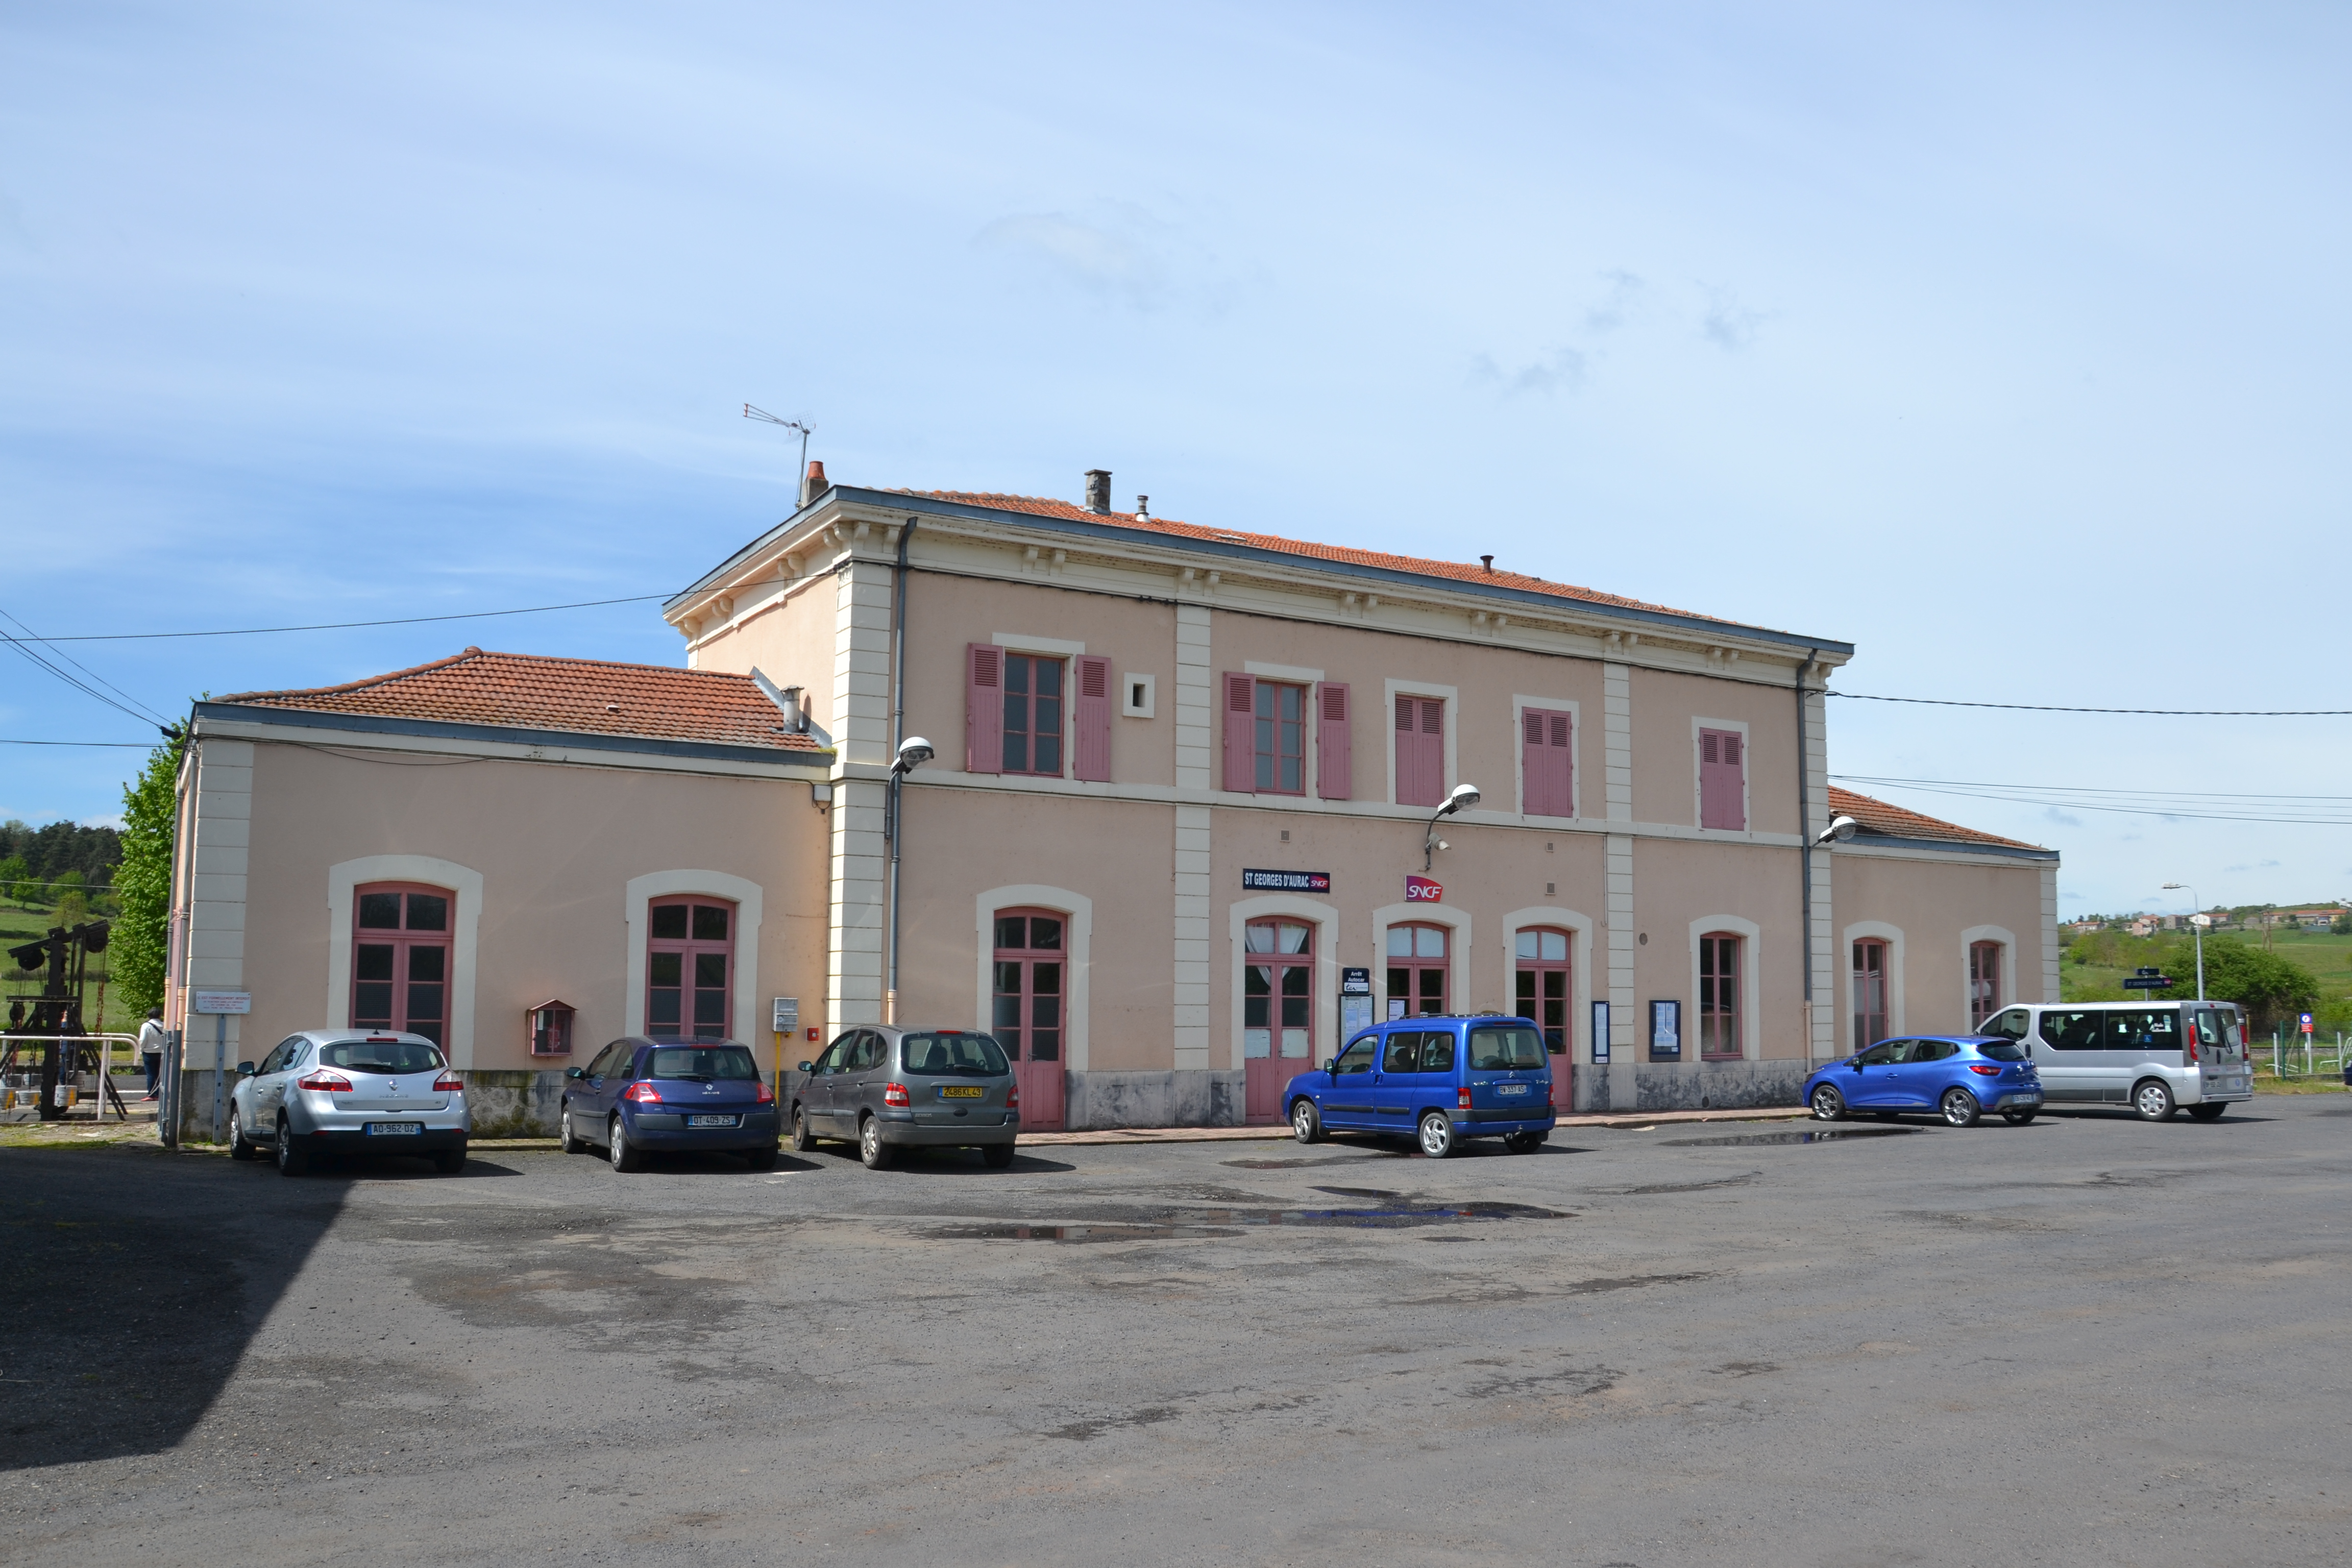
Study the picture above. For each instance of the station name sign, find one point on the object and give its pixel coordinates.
(1286, 881)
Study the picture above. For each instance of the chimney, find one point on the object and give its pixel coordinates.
(817, 484)
(1487, 562)
(1099, 489)
(1143, 506)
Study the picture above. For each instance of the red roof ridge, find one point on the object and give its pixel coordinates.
(1899, 822)
(1046, 506)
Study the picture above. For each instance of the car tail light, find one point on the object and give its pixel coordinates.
(1985, 1068)
(1012, 1097)
(2188, 1046)
(766, 1096)
(1462, 1099)
(448, 1083)
(895, 1094)
(333, 1083)
(643, 1093)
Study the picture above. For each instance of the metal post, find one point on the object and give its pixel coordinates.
(220, 1068)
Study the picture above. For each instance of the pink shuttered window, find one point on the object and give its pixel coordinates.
(983, 708)
(1332, 780)
(1241, 732)
(1722, 780)
(1545, 778)
(1090, 745)
(1420, 751)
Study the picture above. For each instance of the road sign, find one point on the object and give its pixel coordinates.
(788, 1014)
(220, 1002)
(2147, 981)
(2307, 1023)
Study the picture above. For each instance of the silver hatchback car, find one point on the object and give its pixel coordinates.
(892, 1088)
(341, 1091)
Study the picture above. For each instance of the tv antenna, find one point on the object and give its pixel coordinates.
(752, 411)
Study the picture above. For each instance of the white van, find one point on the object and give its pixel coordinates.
(2151, 1056)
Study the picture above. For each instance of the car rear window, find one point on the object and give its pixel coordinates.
(953, 1055)
(380, 1055)
(700, 1062)
(1999, 1050)
(1496, 1049)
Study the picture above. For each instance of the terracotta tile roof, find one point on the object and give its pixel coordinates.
(1467, 571)
(586, 696)
(1879, 817)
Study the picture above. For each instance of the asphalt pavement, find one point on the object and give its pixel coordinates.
(2087, 1341)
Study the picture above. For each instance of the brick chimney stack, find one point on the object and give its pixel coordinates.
(815, 484)
(1099, 491)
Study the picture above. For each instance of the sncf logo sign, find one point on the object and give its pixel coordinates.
(1422, 891)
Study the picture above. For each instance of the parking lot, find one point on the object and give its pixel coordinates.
(2090, 1340)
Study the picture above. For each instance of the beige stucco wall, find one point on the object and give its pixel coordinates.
(788, 637)
(555, 848)
(1718, 886)
(1665, 747)
(1933, 904)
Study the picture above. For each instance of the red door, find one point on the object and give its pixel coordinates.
(1544, 990)
(1030, 1015)
(1278, 1012)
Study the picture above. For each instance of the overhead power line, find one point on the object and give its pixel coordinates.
(127, 745)
(350, 626)
(2284, 810)
(2146, 713)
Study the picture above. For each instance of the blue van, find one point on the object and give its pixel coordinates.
(1436, 1080)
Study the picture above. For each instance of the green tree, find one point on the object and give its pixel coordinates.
(2266, 985)
(143, 880)
(2343, 926)
(14, 874)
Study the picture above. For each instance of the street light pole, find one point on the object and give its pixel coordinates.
(2197, 924)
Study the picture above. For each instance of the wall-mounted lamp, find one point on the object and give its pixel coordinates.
(1841, 828)
(1463, 795)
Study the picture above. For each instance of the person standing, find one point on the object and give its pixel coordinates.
(151, 1048)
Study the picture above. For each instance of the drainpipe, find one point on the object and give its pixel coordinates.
(1805, 847)
(897, 734)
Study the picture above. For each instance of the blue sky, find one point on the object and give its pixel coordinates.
(2008, 342)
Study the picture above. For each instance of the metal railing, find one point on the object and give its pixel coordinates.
(2299, 1057)
(105, 1060)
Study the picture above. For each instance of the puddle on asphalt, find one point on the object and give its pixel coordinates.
(1262, 1165)
(1793, 1135)
(1394, 1212)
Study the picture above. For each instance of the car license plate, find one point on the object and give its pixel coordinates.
(1510, 1089)
(710, 1121)
(962, 1091)
(395, 1129)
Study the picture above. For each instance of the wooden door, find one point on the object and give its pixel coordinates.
(1031, 1016)
(1544, 990)
(1278, 1013)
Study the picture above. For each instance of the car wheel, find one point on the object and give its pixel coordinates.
(292, 1160)
(997, 1156)
(1437, 1138)
(1523, 1142)
(2019, 1117)
(2152, 1100)
(762, 1158)
(565, 1138)
(1829, 1105)
(1305, 1123)
(870, 1147)
(622, 1153)
(450, 1162)
(803, 1139)
(238, 1149)
(2209, 1111)
(1960, 1108)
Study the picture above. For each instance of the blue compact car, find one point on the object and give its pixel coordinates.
(1434, 1081)
(1957, 1077)
(640, 1096)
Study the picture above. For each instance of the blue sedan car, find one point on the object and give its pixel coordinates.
(640, 1096)
(1957, 1077)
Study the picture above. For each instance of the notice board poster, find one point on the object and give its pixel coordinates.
(1355, 1003)
(1665, 1031)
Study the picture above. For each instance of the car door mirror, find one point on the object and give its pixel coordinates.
(575, 1073)
(808, 1067)
(244, 1069)
(1331, 1066)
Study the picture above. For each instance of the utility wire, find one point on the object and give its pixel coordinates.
(127, 745)
(347, 625)
(2213, 807)
(86, 669)
(26, 649)
(2148, 712)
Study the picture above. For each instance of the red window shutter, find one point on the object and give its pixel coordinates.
(1333, 779)
(1241, 733)
(1544, 761)
(1721, 784)
(1564, 764)
(1420, 751)
(1091, 716)
(983, 708)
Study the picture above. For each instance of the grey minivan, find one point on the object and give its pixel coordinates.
(2154, 1057)
(887, 1088)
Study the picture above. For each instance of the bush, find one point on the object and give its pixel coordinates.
(143, 880)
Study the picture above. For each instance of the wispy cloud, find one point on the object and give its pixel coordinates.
(1119, 253)
(1611, 313)
(1728, 324)
(2063, 819)
(1562, 368)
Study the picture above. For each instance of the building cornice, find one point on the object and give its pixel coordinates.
(313, 727)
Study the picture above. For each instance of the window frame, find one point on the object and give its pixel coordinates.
(1713, 986)
(1565, 967)
(1443, 964)
(691, 947)
(1265, 767)
(1885, 1012)
(1305, 961)
(1022, 1045)
(405, 942)
(1060, 735)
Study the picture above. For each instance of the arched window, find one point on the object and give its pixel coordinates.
(1718, 996)
(690, 968)
(1543, 984)
(1869, 994)
(400, 959)
(1984, 981)
(1418, 970)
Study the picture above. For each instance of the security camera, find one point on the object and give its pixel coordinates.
(1839, 830)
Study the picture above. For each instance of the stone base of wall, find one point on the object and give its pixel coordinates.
(1639, 1087)
(1095, 1100)
(522, 1104)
